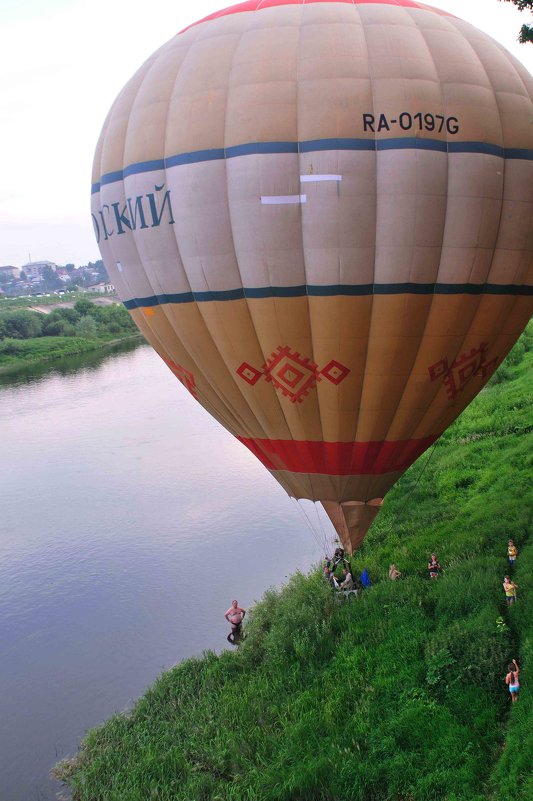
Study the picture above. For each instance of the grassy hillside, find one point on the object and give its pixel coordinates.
(396, 696)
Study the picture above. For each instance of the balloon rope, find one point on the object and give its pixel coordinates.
(310, 524)
(322, 529)
(419, 477)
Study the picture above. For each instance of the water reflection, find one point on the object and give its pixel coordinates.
(128, 521)
(69, 365)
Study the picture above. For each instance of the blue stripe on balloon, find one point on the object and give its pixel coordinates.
(313, 146)
(329, 291)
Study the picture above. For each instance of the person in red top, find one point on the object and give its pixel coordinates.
(235, 616)
(512, 680)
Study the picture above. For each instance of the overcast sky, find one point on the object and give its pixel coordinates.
(62, 63)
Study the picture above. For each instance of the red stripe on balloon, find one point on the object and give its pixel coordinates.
(259, 5)
(338, 458)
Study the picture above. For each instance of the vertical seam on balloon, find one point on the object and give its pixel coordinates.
(527, 95)
(504, 160)
(280, 400)
(262, 423)
(344, 483)
(431, 304)
(154, 331)
(111, 248)
(315, 397)
(460, 348)
(479, 298)
(233, 379)
(134, 238)
(126, 133)
(225, 411)
(432, 396)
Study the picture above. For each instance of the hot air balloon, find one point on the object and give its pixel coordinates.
(320, 216)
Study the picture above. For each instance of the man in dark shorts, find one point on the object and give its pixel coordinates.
(235, 616)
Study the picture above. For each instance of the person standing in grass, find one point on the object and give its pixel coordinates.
(434, 567)
(512, 680)
(235, 616)
(394, 573)
(512, 553)
(510, 590)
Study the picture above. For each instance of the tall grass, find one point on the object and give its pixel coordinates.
(396, 696)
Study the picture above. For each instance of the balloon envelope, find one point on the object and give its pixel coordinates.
(320, 216)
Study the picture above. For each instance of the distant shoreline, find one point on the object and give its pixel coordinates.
(75, 347)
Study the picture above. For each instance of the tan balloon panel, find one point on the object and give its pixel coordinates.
(320, 215)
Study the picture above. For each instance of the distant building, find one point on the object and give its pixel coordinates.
(104, 288)
(63, 274)
(34, 269)
(9, 271)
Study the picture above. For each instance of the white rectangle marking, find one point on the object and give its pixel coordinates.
(280, 200)
(307, 179)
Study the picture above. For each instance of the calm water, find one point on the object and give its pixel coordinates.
(128, 521)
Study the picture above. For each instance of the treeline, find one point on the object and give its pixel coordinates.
(84, 320)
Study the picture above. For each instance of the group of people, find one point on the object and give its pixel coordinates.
(344, 583)
(434, 569)
(235, 614)
(509, 586)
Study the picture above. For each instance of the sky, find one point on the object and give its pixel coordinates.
(62, 63)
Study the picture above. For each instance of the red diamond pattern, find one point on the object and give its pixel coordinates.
(292, 374)
(335, 372)
(250, 374)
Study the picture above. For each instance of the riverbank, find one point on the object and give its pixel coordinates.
(396, 696)
(24, 353)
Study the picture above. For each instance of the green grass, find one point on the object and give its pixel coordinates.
(396, 696)
(16, 354)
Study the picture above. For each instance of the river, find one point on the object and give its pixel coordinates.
(129, 519)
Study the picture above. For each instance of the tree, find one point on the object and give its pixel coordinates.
(116, 319)
(86, 327)
(85, 308)
(22, 324)
(526, 31)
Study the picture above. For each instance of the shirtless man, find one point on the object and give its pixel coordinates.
(235, 616)
(512, 680)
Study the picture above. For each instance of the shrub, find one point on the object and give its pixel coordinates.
(86, 327)
(22, 324)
